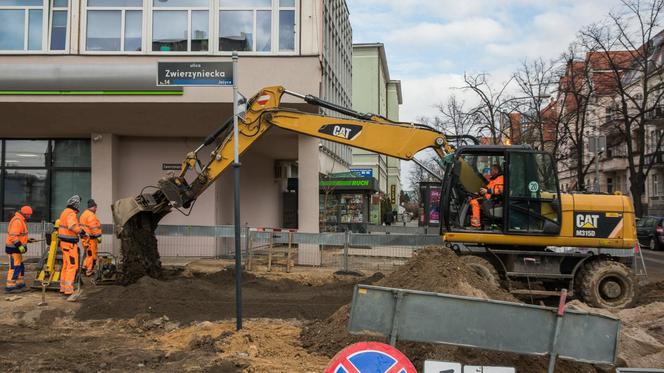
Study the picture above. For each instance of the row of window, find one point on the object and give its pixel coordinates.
(121, 26)
(43, 174)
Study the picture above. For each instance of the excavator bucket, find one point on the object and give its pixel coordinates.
(171, 192)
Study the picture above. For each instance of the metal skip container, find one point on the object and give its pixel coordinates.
(488, 324)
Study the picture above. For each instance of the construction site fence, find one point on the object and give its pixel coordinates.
(381, 250)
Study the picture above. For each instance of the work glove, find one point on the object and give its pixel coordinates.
(99, 239)
(22, 249)
(82, 233)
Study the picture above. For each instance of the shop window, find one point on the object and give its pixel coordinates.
(180, 25)
(25, 186)
(66, 183)
(245, 25)
(26, 153)
(43, 174)
(114, 25)
(71, 153)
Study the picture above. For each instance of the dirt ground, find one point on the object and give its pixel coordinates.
(294, 322)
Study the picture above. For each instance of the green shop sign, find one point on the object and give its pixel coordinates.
(348, 183)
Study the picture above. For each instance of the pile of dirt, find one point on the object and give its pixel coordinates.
(140, 254)
(652, 292)
(212, 297)
(641, 332)
(263, 345)
(438, 270)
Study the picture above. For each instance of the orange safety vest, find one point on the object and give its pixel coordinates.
(495, 187)
(69, 227)
(90, 224)
(17, 234)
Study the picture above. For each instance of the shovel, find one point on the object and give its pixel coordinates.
(43, 297)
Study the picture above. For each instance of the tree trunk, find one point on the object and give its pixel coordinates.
(637, 188)
(580, 177)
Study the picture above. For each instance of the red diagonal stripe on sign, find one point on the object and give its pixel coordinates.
(349, 366)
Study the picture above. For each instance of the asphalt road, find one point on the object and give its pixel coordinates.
(654, 264)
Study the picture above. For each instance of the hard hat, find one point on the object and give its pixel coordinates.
(26, 210)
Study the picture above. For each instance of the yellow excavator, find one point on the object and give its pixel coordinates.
(529, 234)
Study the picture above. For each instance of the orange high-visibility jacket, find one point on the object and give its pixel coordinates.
(495, 187)
(69, 227)
(91, 224)
(17, 234)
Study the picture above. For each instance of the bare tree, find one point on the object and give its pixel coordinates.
(454, 118)
(487, 114)
(627, 46)
(541, 120)
(574, 97)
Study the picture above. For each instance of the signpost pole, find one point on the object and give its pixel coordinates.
(236, 171)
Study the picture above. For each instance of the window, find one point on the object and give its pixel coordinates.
(533, 194)
(21, 25)
(286, 25)
(43, 174)
(656, 181)
(180, 25)
(114, 25)
(245, 25)
(59, 20)
(33, 25)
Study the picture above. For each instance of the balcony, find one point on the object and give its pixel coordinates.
(613, 164)
(655, 158)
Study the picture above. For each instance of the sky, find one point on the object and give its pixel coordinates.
(431, 43)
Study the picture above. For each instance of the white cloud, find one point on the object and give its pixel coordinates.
(426, 34)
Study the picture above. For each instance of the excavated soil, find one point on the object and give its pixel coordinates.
(652, 292)
(438, 270)
(212, 297)
(140, 254)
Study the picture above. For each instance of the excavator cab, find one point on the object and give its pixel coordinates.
(525, 201)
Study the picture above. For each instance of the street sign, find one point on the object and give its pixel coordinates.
(370, 357)
(195, 74)
(362, 172)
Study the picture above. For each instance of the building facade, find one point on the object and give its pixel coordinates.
(374, 92)
(82, 112)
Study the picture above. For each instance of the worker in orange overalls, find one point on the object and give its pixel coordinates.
(494, 188)
(68, 234)
(92, 227)
(15, 247)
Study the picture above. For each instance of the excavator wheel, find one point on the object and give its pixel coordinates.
(483, 268)
(606, 284)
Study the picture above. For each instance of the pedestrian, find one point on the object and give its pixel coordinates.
(69, 233)
(92, 228)
(16, 245)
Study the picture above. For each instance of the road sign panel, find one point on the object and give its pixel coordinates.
(374, 357)
(195, 74)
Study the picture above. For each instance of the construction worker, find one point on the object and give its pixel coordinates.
(92, 227)
(494, 188)
(16, 245)
(69, 233)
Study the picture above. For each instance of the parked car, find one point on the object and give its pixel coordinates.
(650, 232)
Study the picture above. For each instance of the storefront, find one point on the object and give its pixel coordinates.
(345, 203)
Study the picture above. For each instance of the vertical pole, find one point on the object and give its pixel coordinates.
(346, 243)
(236, 169)
(553, 352)
(597, 163)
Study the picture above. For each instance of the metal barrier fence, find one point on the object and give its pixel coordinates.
(346, 251)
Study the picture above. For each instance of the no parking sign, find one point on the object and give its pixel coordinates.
(370, 357)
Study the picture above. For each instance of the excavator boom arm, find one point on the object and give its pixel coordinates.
(365, 131)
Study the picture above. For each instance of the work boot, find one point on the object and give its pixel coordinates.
(10, 290)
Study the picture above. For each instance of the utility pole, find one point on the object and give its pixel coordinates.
(236, 172)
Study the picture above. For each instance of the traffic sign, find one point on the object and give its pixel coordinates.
(373, 357)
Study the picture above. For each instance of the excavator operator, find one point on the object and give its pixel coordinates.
(494, 188)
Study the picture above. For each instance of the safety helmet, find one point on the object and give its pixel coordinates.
(74, 202)
(26, 210)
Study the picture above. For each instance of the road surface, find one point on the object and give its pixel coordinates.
(654, 264)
